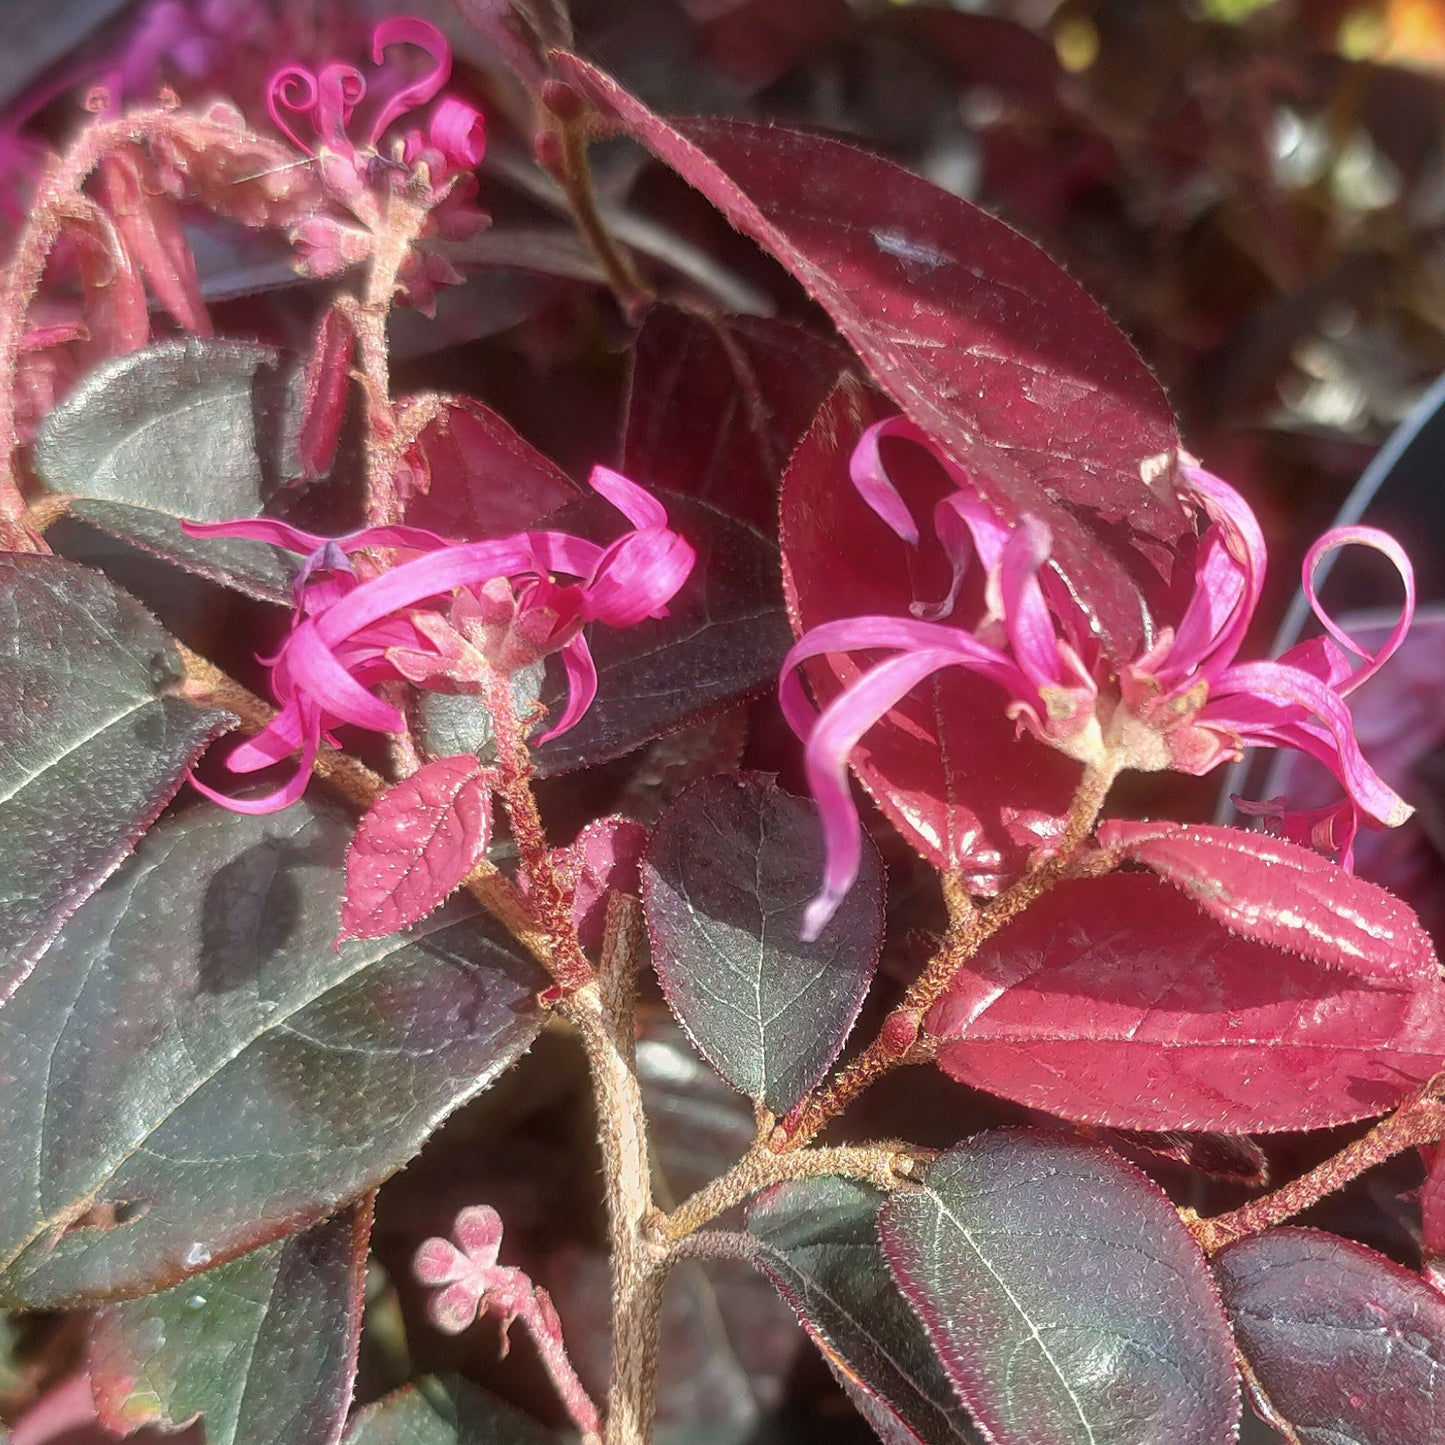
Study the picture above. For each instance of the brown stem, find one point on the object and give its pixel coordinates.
(1420, 1121)
(898, 1040)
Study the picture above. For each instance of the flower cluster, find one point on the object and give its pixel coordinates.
(1185, 703)
(440, 615)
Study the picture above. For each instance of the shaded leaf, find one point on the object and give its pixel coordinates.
(730, 870)
(470, 475)
(1345, 1347)
(97, 740)
(449, 1411)
(1064, 1296)
(1282, 894)
(263, 1348)
(992, 348)
(200, 1071)
(1116, 1001)
(716, 406)
(415, 845)
(604, 858)
(947, 766)
(166, 433)
(818, 1243)
(723, 638)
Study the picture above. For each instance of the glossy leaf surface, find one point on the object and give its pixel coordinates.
(723, 638)
(97, 740)
(449, 1411)
(1345, 1346)
(985, 342)
(716, 406)
(818, 1243)
(263, 1348)
(1064, 1296)
(1115, 1001)
(195, 1069)
(947, 765)
(730, 869)
(1284, 895)
(169, 432)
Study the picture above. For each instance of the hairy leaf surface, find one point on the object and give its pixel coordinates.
(97, 739)
(199, 1070)
(1064, 1296)
(727, 877)
(1345, 1347)
(263, 1348)
(449, 1411)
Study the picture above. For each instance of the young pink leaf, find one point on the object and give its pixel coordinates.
(1116, 1001)
(415, 845)
(992, 348)
(1284, 895)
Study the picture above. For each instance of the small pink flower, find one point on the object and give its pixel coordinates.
(1184, 704)
(406, 621)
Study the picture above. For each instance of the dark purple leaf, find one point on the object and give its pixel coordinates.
(449, 1411)
(195, 1070)
(1282, 894)
(1064, 1296)
(818, 1243)
(730, 869)
(717, 406)
(723, 638)
(1116, 1001)
(985, 342)
(947, 765)
(166, 433)
(263, 1348)
(97, 739)
(1345, 1347)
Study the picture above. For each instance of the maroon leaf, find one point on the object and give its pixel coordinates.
(472, 476)
(1344, 1346)
(986, 343)
(604, 858)
(1432, 1220)
(1116, 1001)
(1064, 1297)
(415, 845)
(325, 382)
(947, 765)
(717, 406)
(1284, 895)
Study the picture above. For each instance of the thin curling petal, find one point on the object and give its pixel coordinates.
(640, 507)
(288, 793)
(871, 480)
(292, 89)
(1385, 544)
(638, 576)
(410, 30)
(581, 673)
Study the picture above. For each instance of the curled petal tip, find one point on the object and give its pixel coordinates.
(818, 914)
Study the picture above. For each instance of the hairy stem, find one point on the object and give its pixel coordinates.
(898, 1040)
(639, 1258)
(1420, 1121)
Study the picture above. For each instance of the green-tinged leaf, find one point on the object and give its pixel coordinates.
(730, 870)
(169, 432)
(818, 1243)
(262, 1348)
(448, 1411)
(724, 637)
(96, 741)
(1064, 1296)
(195, 1070)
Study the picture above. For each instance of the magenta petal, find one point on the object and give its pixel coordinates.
(315, 670)
(293, 89)
(259, 529)
(871, 480)
(581, 686)
(561, 552)
(640, 508)
(284, 796)
(410, 30)
(459, 132)
(638, 576)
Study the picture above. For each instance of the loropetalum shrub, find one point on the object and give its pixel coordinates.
(232, 1008)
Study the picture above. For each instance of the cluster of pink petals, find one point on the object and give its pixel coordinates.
(349, 634)
(1185, 703)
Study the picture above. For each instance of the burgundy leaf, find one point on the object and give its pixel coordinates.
(1344, 1347)
(946, 765)
(1116, 1001)
(325, 383)
(984, 341)
(1063, 1295)
(415, 845)
(471, 476)
(717, 406)
(1432, 1220)
(1284, 895)
(603, 859)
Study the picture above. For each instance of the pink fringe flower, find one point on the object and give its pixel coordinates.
(1185, 703)
(349, 633)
